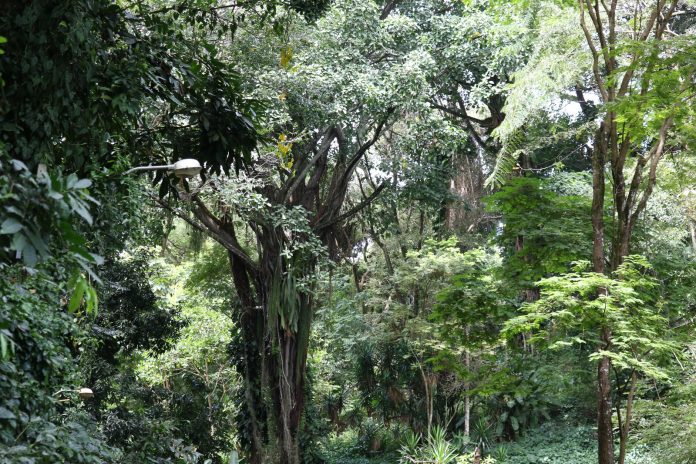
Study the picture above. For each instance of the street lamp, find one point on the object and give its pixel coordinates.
(84, 393)
(184, 169)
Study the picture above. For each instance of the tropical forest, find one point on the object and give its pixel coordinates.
(348, 232)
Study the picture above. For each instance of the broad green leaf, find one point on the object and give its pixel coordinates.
(82, 184)
(6, 413)
(10, 226)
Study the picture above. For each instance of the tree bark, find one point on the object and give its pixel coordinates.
(605, 437)
(605, 434)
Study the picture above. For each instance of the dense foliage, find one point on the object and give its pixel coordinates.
(422, 232)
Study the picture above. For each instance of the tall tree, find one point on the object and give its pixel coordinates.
(629, 74)
(624, 63)
(285, 211)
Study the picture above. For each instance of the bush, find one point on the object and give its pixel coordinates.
(46, 442)
(349, 448)
(553, 443)
(38, 422)
(669, 430)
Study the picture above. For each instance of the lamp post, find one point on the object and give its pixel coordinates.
(184, 169)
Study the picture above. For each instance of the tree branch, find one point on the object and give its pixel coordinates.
(222, 234)
(625, 81)
(593, 50)
(388, 7)
(342, 182)
(356, 209)
(657, 152)
(321, 151)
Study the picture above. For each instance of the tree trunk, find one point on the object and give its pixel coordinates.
(275, 356)
(251, 329)
(627, 420)
(605, 434)
(289, 396)
(286, 342)
(467, 399)
(605, 437)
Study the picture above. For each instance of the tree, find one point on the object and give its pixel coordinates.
(477, 48)
(572, 305)
(631, 55)
(291, 200)
(633, 80)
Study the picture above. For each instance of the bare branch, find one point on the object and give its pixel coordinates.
(356, 209)
(323, 150)
(595, 55)
(353, 161)
(626, 80)
(656, 154)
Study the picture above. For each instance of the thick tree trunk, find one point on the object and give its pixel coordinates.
(251, 329)
(275, 355)
(289, 314)
(466, 185)
(275, 358)
(289, 400)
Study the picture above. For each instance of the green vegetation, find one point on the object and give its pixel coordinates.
(423, 232)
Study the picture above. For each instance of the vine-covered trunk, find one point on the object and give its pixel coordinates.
(289, 308)
(251, 327)
(274, 322)
(274, 370)
(288, 365)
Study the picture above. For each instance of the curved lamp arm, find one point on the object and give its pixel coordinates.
(149, 168)
(184, 168)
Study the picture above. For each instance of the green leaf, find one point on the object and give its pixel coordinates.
(29, 255)
(4, 347)
(82, 184)
(79, 207)
(515, 423)
(10, 226)
(6, 414)
(77, 294)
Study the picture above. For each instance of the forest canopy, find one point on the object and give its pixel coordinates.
(409, 231)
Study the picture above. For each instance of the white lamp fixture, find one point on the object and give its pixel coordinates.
(184, 169)
(85, 393)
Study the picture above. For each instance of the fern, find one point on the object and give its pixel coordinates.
(524, 142)
(513, 148)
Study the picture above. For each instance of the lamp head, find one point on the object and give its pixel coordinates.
(186, 168)
(85, 393)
